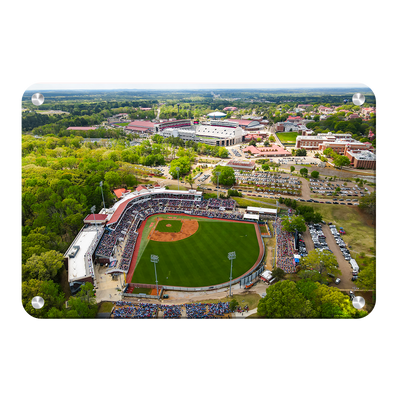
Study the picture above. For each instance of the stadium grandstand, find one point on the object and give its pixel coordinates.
(181, 123)
(109, 238)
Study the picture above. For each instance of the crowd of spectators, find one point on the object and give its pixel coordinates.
(126, 309)
(130, 310)
(284, 248)
(228, 204)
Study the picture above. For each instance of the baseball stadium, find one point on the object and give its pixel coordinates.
(190, 237)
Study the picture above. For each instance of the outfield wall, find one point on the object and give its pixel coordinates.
(253, 272)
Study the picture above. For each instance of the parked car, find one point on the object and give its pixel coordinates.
(337, 281)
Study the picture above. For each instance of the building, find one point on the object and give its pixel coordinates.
(121, 192)
(286, 127)
(262, 212)
(95, 219)
(82, 128)
(181, 133)
(303, 130)
(295, 120)
(230, 109)
(313, 142)
(253, 136)
(220, 133)
(138, 126)
(216, 115)
(353, 116)
(241, 165)
(247, 124)
(341, 145)
(271, 151)
(304, 105)
(180, 123)
(361, 159)
(325, 110)
(79, 257)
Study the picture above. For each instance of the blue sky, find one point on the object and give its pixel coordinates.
(189, 85)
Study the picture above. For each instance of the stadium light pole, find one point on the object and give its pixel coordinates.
(178, 169)
(102, 195)
(218, 173)
(93, 209)
(231, 256)
(154, 259)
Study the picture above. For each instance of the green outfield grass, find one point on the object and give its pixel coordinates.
(201, 259)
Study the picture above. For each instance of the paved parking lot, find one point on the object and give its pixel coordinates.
(344, 266)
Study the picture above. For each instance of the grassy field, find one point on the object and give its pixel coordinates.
(360, 233)
(201, 259)
(287, 137)
(123, 123)
(105, 306)
(250, 299)
(245, 202)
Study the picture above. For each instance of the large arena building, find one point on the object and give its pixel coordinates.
(214, 132)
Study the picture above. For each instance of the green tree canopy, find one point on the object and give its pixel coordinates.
(227, 177)
(291, 224)
(368, 203)
(184, 167)
(315, 174)
(323, 262)
(44, 266)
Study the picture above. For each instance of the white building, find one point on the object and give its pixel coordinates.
(215, 133)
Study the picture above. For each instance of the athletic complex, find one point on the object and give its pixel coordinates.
(190, 237)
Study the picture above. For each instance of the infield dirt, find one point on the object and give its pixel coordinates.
(189, 227)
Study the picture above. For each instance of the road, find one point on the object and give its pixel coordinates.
(344, 266)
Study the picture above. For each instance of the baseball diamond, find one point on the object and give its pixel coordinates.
(201, 258)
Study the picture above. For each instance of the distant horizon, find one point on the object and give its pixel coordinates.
(200, 89)
(193, 86)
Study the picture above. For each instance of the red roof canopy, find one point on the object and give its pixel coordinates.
(95, 217)
(120, 192)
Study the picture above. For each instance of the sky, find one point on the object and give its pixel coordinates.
(187, 85)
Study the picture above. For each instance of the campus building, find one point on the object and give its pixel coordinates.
(361, 158)
(215, 133)
(143, 127)
(271, 151)
(312, 142)
(247, 124)
(241, 165)
(174, 123)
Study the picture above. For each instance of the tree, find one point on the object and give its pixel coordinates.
(304, 172)
(43, 267)
(227, 177)
(183, 163)
(323, 262)
(291, 224)
(48, 290)
(283, 300)
(341, 161)
(83, 305)
(112, 178)
(301, 152)
(223, 152)
(252, 143)
(265, 167)
(233, 304)
(314, 174)
(368, 203)
(266, 143)
(367, 275)
(278, 273)
(189, 179)
(292, 168)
